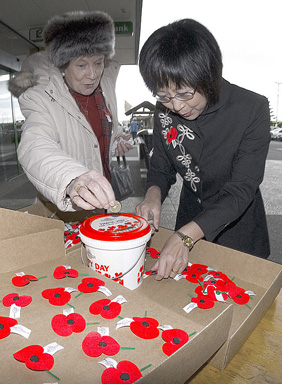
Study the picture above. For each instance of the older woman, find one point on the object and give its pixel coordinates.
(215, 135)
(67, 95)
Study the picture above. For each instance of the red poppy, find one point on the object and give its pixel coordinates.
(148, 273)
(14, 298)
(90, 284)
(94, 345)
(174, 338)
(220, 275)
(218, 283)
(239, 295)
(145, 327)
(153, 253)
(229, 285)
(34, 358)
(200, 269)
(5, 326)
(65, 325)
(171, 135)
(203, 301)
(72, 239)
(56, 296)
(125, 373)
(20, 281)
(213, 292)
(61, 272)
(106, 308)
(192, 275)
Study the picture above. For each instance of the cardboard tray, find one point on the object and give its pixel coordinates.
(261, 276)
(38, 254)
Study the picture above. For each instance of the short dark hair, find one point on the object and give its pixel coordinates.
(182, 53)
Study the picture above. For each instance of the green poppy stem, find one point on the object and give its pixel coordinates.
(191, 334)
(78, 295)
(147, 366)
(42, 277)
(52, 374)
(70, 305)
(126, 348)
(92, 323)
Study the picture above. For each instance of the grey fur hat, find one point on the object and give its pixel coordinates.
(78, 34)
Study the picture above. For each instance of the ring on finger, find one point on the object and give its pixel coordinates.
(174, 271)
(74, 197)
(79, 188)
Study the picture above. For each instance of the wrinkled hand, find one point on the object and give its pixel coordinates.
(91, 190)
(124, 144)
(173, 258)
(150, 208)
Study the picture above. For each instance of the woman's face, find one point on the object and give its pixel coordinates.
(189, 109)
(83, 74)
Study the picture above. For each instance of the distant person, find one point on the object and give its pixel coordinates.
(134, 125)
(67, 95)
(215, 135)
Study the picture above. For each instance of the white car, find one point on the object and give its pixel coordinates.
(276, 133)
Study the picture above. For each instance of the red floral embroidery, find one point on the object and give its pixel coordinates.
(140, 274)
(174, 338)
(35, 358)
(20, 281)
(145, 327)
(203, 301)
(106, 308)
(239, 295)
(61, 272)
(171, 135)
(65, 325)
(153, 253)
(94, 345)
(125, 373)
(14, 298)
(90, 284)
(5, 326)
(56, 296)
(118, 279)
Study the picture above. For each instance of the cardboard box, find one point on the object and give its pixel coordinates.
(38, 253)
(49, 210)
(261, 276)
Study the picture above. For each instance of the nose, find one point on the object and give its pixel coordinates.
(91, 73)
(177, 105)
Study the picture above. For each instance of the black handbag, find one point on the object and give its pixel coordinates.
(121, 179)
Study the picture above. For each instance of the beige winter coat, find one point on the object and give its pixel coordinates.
(57, 143)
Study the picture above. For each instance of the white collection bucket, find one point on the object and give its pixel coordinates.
(116, 246)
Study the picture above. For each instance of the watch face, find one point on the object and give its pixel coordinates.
(188, 242)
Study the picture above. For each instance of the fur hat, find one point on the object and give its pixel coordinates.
(79, 34)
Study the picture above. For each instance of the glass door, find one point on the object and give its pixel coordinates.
(11, 121)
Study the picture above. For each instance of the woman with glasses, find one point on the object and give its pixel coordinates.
(215, 135)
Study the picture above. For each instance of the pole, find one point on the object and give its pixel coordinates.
(278, 84)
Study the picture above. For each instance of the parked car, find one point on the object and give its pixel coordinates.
(276, 133)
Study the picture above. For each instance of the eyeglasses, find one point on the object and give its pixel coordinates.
(179, 96)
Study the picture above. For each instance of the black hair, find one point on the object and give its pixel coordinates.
(183, 53)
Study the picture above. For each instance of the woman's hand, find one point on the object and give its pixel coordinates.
(91, 190)
(150, 208)
(124, 143)
(173, 258)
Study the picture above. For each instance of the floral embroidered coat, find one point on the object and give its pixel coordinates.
(221, 157)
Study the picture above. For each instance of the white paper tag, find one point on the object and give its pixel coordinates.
(21, 330)
(15, 311)
(179, 276)
(190, 307)
(52, 348)
(70, 289)
(68, 311)
(219, 296)
(105, 291)
(104, 331)
(250, 293)
(20, 274)
(67, 266)
(119, 299)
(108, 363)
(164, 327)
(124, 322)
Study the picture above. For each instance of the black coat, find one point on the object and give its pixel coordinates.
(221, 157)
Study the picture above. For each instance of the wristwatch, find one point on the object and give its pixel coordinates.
(187, 240)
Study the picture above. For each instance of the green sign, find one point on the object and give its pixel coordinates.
(123, 27)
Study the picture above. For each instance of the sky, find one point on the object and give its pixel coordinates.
(249, 33)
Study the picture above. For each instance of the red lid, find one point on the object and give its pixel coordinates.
(115, 227)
